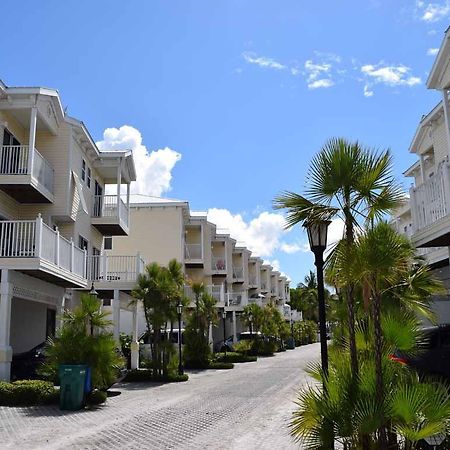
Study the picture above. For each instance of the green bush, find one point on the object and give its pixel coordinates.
(305, 332)
(243, 347)
(96, 397)
(256, 347)
(234, 357)
(139, 375)
(221, 365)
(27, 393)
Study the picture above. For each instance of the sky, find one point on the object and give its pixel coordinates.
(224, 103)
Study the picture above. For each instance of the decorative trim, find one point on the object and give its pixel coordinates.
(33, 295)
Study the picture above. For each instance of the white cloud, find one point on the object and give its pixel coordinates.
(322, 83)
(432, 51)
(389, 75)
(262, 235)
(291, 248)
(433, 12)
(153, 169)
(263, 61)
(274, 263)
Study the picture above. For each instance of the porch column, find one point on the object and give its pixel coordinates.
(446, 108)
(5, 323)
(116, 315)
(32, 139)
(60, 311)
(422, 168)
(234, 327)
(210, 336)
(119, 184)
(128, 202)
(134, 343)
(2, 131)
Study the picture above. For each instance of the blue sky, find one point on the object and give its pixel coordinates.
(226, 101)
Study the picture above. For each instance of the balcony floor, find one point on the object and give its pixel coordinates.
(25, 192)
(108, 228)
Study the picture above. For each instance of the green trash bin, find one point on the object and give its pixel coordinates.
(72, 380)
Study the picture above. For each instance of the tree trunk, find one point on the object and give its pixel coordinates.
(378, 348)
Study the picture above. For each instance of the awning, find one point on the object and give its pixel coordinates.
(79, 188)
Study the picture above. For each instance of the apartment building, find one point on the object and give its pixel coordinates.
(425, 218)
(163, 229)
(55, 215)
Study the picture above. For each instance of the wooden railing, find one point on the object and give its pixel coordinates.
(35, 239)
(18, 160)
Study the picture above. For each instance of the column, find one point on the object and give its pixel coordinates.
(60, 311)
(234, 327)
(5, 323)
(2, 130)
(446, 108)
(116, 315)
(32, 139)
(210, 337)
(128, 203)
(119, 185)
(134, 343)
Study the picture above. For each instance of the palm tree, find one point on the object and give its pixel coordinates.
(350, 182)
(308, 297)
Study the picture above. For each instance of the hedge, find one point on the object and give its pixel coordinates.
(146, 375)
(234, 357)
(28, 393)
(220, 365)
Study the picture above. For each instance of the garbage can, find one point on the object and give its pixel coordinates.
(72, 380)
(290, 343)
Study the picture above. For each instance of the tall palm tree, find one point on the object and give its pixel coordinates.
(350, 182)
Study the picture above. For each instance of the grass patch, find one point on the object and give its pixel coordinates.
(221, 365)
(234, 357)
(28, 393)
(138, 375)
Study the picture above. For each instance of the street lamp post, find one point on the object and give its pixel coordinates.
(180, 336)
(292, 330)
(250, 320)
(317, 236)
(224, 318)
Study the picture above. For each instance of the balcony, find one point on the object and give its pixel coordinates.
(193, 255)
(32, 247)
(238, 299)
(219, 265)
(252, 281)
(110, 215)
(264, 287)
(25, 175)
(216, 291)
(238, 274)
(114, 271)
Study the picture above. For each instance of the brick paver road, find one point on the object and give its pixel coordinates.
(244, 408)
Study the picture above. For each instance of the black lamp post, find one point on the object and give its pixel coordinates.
(292, 330)
(93, 292)
(224, 318)
(180, 337)
(250, 320)
(317, 236)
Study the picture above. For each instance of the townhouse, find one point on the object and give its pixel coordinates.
(425, 217)
(163, 229)
(56, 217)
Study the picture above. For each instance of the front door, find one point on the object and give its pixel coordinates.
(98, 199)
(50, 326)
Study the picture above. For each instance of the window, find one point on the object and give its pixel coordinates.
(82, 243)
(88, 181)
(107, 244)
(83, 169)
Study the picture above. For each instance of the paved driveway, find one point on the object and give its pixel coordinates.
(244, 408)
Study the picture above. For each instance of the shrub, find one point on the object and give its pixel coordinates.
(139, 375)
(262, 347)
(221, 365)
(234, 357)
(27, 393)
(243, 347)
(96, 397)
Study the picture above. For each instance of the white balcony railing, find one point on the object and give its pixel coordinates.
(193, 251)
(252, 281)
(114, 268)
(18, 160)
(35, 239)
(236, 298)
(217, 291)
(430, 200)
(219, 263)
(238, 273)
(110, 206)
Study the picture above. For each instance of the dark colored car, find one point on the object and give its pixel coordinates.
(24, 365)
(434, 355)
(227, 345)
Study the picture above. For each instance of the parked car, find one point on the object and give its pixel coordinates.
(434, 355)
(24, 365)
(146, 339)
(222, 345)
(246, 336)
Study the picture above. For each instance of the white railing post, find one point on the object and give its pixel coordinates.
(38, 236)
(85, 264)
(57, 246)
(32, 139)
(72, 255)
(105, 267)
(138, 264)
(446, 190)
